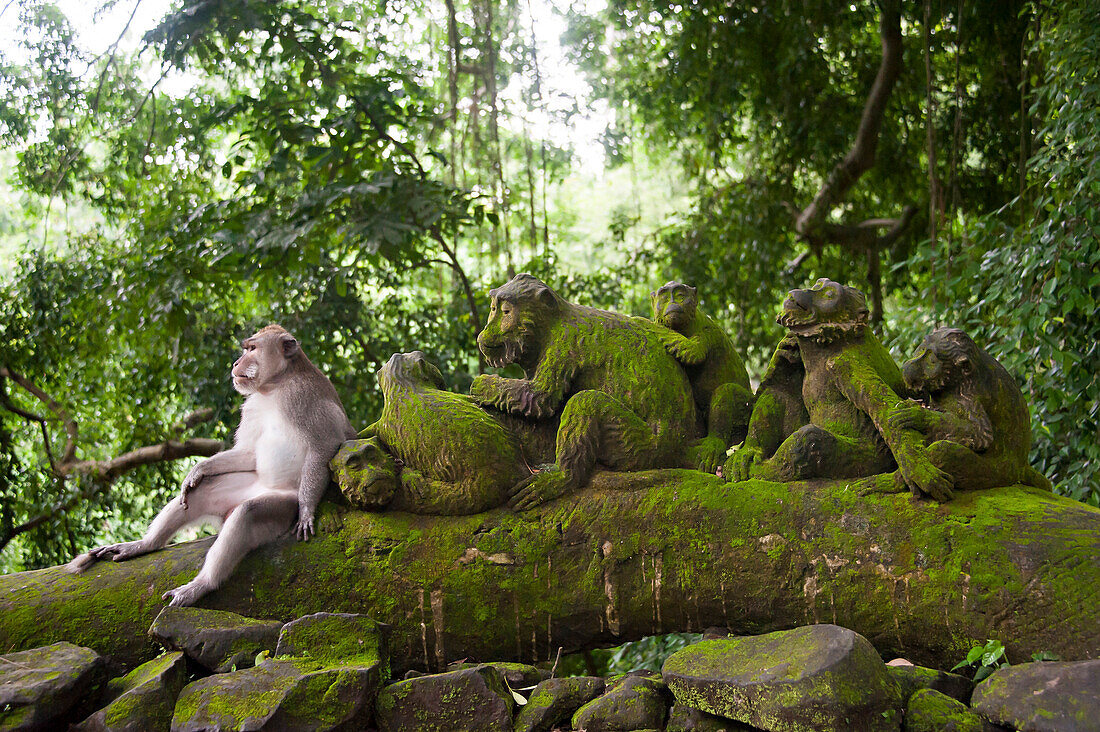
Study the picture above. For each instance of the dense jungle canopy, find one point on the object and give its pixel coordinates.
(363, 173)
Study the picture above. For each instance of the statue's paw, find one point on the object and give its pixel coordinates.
(929, 480)
(739, 465)
(538, 489)
(186, 595)
(120, 552)
(707, 454)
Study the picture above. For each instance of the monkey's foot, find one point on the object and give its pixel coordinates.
(120, 552)
(187, 594)
(886, 484)
(539, 488)
(924, 478)
(739, 465)
(707, 454)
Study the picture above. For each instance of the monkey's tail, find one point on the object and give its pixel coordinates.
(80, 563)
(1036, 479)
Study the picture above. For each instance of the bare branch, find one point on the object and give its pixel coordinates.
(862, 155)
(52, 404)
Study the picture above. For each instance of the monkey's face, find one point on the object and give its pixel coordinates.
(366, 473)
(674, 305)
(410, 369)
(266, 356)
(827, 309)
(944, 357)
(508, 336)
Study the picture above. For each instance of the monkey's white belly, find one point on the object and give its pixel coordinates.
(280, 452)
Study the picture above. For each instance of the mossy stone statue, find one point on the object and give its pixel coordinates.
(455, 458)
(623, 401)
(976, 419)
(777, 413)
(850, 390)
(719, 382)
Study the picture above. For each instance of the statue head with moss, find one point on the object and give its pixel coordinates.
(825, 312)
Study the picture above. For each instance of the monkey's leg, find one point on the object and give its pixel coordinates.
(253, 523)
(214, 498)
(727, 423)
(971, 470)
(594, 426)
(814, 452)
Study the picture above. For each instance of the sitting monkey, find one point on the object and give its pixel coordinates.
(777, 413)
(978, 425)
(719, 382)
(850, 388)
(292, 423)
(455, 458)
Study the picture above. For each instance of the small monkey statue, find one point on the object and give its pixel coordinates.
(292, 423)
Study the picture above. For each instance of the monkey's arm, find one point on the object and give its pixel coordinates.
(973, 430)
(315, 479)
(862, 385)
(688, 351)
(537, 398)
(234, 460)
(369, 431)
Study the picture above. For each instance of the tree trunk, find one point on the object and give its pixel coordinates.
(635, 555)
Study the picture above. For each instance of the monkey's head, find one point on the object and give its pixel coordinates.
(410, 369)
(267, 356)
(945, 357)
(366, 473)
(519, 316)
(674, 305)
(824, 312)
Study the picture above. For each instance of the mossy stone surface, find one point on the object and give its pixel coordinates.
(685, 719)
(819, 677)
(518, 675)
(930, 711)
(554, 701)
(142, 700)
(218, 640)
(912, 678)
(45, 687)
(1042, 697)
(634, 555)
(337, 637)
(457, 701)
(281, 695)
(630, 703)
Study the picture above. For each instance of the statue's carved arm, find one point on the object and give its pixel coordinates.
(537, 398)
(858, 381)
(974, 430)
(688, 351)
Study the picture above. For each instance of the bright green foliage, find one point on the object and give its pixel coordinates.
(984, 659)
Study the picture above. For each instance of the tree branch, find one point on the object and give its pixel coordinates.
(861, 157)
(52, 405)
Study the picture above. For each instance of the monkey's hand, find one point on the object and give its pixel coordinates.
(924, 478)
(304, 530)
(191, 482)
(739, 464)
(120, 552)
(538, 489)
(707, 454)
(688, 351)
(910, 415)
(486, 389)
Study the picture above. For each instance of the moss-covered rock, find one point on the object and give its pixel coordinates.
(555, 700)
(930, 711)
(217, 640)
(142, 700)
(913, 678)
(457, 701)
(281, 695)
(1043, 697)
(336, 637)
(42, 688)
(633, 702)
(685, 719)
(820, 677)
(636, 554)
(518, 675)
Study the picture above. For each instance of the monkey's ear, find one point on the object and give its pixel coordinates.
(546, 296)
(289, 344)
(693, 290)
